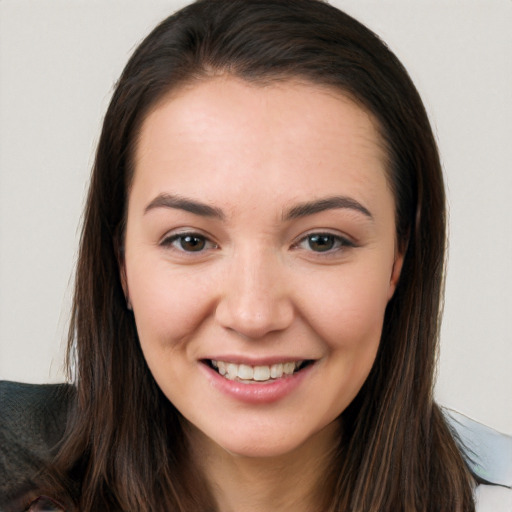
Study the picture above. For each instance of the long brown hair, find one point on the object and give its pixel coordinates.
(124, 448)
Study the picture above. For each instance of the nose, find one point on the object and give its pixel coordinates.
(255, 298)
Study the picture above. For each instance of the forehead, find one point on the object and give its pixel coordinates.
(224, 133)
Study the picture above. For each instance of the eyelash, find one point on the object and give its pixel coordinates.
(171, 242)
(339, 243)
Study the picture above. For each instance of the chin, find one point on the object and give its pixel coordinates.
(265, 442)
(260, 449)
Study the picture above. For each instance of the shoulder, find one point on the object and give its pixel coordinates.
(493, 498)
(488, 452)
(32, 422)
(489, 456)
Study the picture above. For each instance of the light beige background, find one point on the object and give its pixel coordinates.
(59, 60)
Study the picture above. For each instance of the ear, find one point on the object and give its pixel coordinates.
(396, 270)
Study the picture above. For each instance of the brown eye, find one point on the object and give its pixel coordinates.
(322, 242)
(327, 243)
(188, 243)
(191, 243)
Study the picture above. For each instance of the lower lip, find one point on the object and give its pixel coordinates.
(257, 393)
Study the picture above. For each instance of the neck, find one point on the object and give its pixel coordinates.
(298, 481)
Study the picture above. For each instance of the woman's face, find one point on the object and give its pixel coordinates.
(260, 256)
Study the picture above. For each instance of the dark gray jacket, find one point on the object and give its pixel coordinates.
(32, 421)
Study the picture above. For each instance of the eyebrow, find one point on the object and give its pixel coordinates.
(328, 203)
(301, 210)
(182, 203)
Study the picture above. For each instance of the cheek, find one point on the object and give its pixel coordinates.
(348, 316)
(348, 311)
(168, 305)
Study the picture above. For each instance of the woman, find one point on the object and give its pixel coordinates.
(257, 293)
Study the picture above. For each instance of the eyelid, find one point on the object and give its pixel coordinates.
(169, 238)
(346, 242)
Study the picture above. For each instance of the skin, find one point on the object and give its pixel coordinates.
(258, 287)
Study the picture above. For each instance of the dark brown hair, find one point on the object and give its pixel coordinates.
(124, 448)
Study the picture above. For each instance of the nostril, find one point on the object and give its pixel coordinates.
(252, 319)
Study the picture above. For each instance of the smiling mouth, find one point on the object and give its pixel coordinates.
(250, 374)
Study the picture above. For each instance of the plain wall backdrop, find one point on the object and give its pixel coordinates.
(58, 63)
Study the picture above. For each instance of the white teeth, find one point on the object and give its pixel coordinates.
(231, 371)
(288, 368)
(246, 372)
(221, 365)
(276, 371)
(261, 373)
